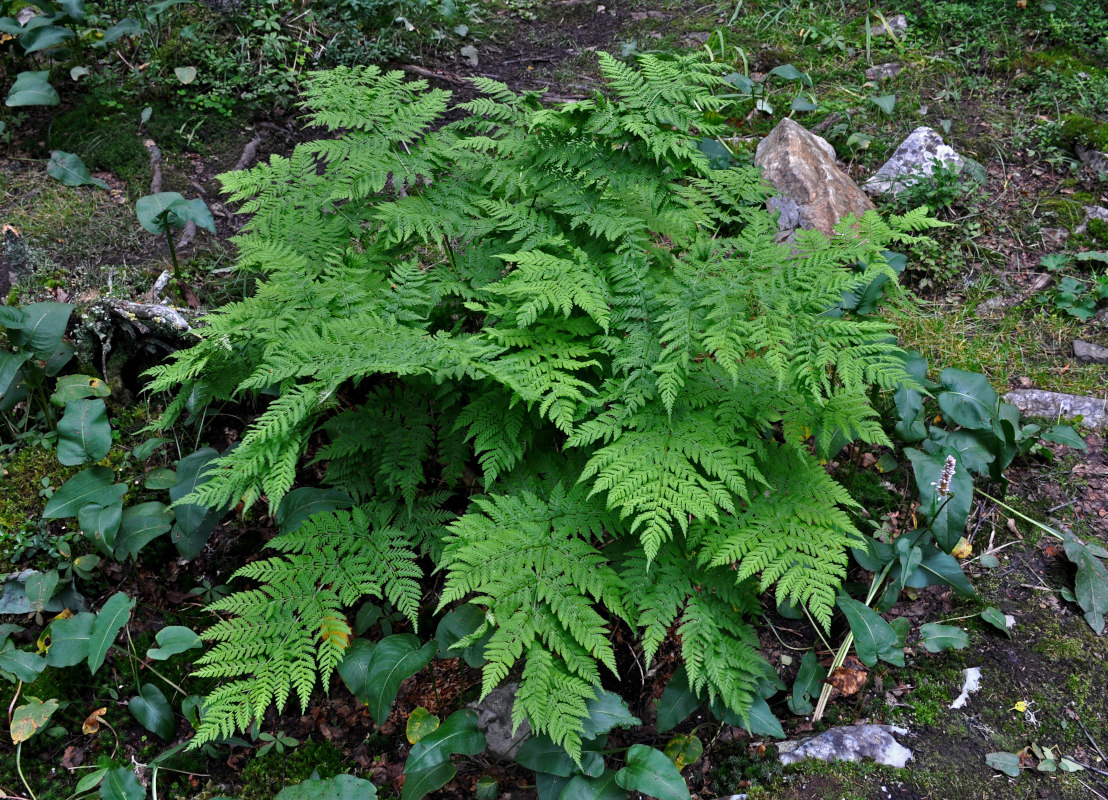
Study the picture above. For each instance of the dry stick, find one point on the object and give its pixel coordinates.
(155, 166)
(1090, 738)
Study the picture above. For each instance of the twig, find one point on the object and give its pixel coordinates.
(1090, 738)
(426, 73)
(1090, 788)
(155, 166)
(1060, 506)
(248, 154)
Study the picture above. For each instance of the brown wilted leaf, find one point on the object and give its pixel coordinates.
(93, 720)
(849, 679)
(73, 757)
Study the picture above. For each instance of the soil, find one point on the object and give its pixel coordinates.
(1052, 660)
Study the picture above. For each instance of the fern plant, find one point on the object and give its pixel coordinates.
(561, 329)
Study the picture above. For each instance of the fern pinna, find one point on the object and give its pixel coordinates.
(559, 328)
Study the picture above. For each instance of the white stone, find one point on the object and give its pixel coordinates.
(850, 743)
(914, 160)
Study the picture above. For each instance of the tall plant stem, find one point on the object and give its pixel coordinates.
(19, 769)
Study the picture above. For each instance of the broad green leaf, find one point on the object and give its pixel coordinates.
(607, 711)
(901, 626)
(550, 787)
(540, 754)
(28, 719)
(10, 364)
(152, 711)
(69, 640)
(762, 722)
(683, 749)
(970, 400)
(886, 102)
(195, 211)
(193, 523)
(1091, 586)
(22, 665)
(121, 784)
(972, 447)
(154, 10)
(486, 788)
(873, 637)
(355, 665)
(109, 622)
(185, 75)
(78, 387)
(11, 317)
(340, 787)
(90, 781)
(995, 618)
(84, 433)
(677, 701)
(128, 26)
(61, 356)
(93, 485)
(1065, 434)
(946, 515)
(44, 36)
(43, 328)
(32, 89)
(71, 170)
(74, 9)
(791, 73)
(160, 478)
(457, 625)
(153, 211)
(173, 640)
(424, 767)
(394, 659)
(101, 524)
(139, 526)
(1008, 763)
(649, 771)
(809, 682)
(937, 638)
(937, 568)
(1066, 765)
(602, 787)
(420, 723)
(299, 504)
(40, 587)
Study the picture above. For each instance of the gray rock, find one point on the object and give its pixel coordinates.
(1093, 158)
(850, 743)
(1054, 405)
(1089, 353)
(913, 161)
(897, 23)
(812, 192)
(994, 305)
(1091, 213)
(494, 719)
(1102, 317)
(884, 71)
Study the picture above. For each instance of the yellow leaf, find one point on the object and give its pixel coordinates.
(420, 724)
(93, 720)
(963, 549)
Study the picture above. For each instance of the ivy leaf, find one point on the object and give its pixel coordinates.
(873, 637)
(649, 771)
(109, 622)
(71, 170)
(678, 701)
(152, 711)
(84, 433)
(173, 640)
(937, 638)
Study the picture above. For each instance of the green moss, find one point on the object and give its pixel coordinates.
(1097, 232)
(1077, 129)
(263, 777)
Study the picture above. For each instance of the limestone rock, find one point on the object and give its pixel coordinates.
(1089, 353)
(914, 160)
(1054, 405)
(850, 743)
(897, 23)
(812, 191)
(494, 719)
(883, 71)
(1091, 213)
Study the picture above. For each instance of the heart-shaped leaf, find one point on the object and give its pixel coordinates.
(394, 659)
(128, 26)
(21, 665)
(153, 211)
(458, 734)
(457, 625)
(93, 485)
(101, 524)
(340, 787)
(139, 526)
(677, 701)
(541, 754)
(71, 170)
(809, 682)
(1008, 763)
(421, 723)
(121, 784)
(193, 523)
(43, 328)
(40, 587)
(938, 568)
(160, 478)
(602, 787)
(185, 75)
(608, 710)
(78, 387)
(970, 400)
(683, 749)
(937, 638)
(299, 504)
(152, 711)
